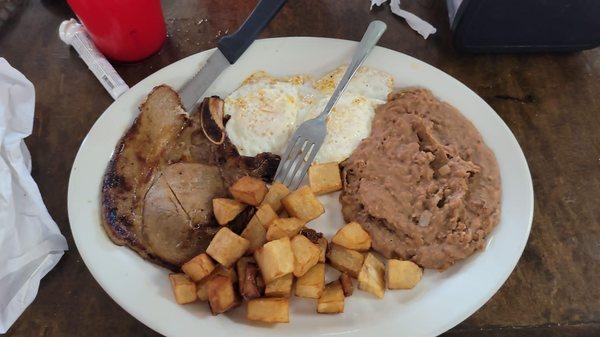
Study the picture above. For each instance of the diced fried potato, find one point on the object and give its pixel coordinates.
(225, 271)
(256, 234)
(269, 310)
(353, 236)
(281, 287)
(249, 190)
(277, 191)
(325, 178)
(345, 260)
(264, 215)
(372, 276)
(332, 299)
(323, 247)
(199, 267)
(227, 247)
(226, 209)
(402, 274)
(347, 286)
(202, 289)
(248, 286)
(275, 259)
(281, 227)
(240, 267)
(183, 287)
(260, 283)
(312, 283)
(303, 204)
(306, 254)
(221, 294)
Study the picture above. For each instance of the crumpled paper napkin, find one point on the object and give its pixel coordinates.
(416, 23)
(30, 242)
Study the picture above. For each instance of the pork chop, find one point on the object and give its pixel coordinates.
(158, 188)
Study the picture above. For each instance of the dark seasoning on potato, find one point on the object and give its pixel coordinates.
(277, 257)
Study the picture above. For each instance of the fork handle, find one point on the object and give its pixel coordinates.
(367, 43)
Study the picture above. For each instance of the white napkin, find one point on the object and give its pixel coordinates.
(416, 23)
(30, 242)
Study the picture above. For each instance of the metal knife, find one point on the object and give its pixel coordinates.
(229, 50)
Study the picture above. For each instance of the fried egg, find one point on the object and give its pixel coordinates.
(348, 123)
(265, 110)
(368, 82)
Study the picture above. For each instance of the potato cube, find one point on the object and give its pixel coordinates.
(221, 294)
(227, 247)
(260, 283)
(284, 227)
(332, 299)
(306, 254)
(226, 209)
(275, 259)
(277, 191)
(249, 190)
(353, 236)
(303, 204)
(224, 271)
(202, 289)
(402, 274)
(199, 267)
(256, 235)
(248, 287)
(345, 260)
(312, 283)
(347, 286)
(325, 178)
(269, 310)
(264, 215)
(281, 287)
(323, 247)
(240, 267)
(372, 276)
(184, 288)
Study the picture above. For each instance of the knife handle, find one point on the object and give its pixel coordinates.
(234, 45)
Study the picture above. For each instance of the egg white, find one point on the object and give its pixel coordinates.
(266, 110)
(348, 123)
(369, 82)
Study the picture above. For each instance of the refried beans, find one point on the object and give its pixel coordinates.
(423, 184)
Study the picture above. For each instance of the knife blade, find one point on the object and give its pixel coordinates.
(229, 49)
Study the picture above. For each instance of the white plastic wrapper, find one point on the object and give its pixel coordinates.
(30, 242)
(416, 23)
(72, 33)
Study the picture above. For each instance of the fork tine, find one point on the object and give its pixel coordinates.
(295, 162)
(300, 161)
(301, 172)
(285, 159)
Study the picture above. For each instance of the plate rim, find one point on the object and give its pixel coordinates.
(443, 327)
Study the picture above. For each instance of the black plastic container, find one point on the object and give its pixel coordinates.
(507, 26)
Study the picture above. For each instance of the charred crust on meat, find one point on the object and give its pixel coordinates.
(139, 158)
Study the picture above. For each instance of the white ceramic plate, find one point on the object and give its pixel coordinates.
(440, 300)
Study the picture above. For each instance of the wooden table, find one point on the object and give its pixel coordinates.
(550, 102)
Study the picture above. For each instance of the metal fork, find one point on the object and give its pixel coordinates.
(308, 138)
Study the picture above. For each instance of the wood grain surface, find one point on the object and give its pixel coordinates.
(551, 102)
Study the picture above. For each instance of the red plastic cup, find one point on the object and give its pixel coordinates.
(123, 30)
